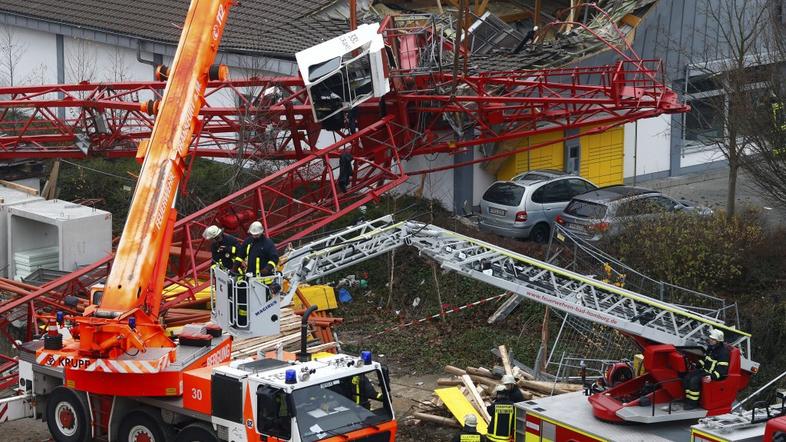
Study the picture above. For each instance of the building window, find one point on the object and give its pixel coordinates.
(704, 126)
(572, 157)
(704, 122)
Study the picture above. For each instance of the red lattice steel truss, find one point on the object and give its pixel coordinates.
(427, 112)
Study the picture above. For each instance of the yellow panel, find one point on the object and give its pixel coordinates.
(550, 156)
(508, 169)
(602, 157)
(173, 290)
(460, 406)
(322, 296)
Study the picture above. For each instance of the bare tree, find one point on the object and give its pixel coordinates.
(764, 110)
(80, 62)
(724, 87)
(11, 51)
(117, 69)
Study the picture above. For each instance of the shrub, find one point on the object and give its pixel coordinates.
(703, 253)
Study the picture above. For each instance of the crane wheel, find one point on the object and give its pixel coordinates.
(140, 426)
(199, 431)
(66, 416)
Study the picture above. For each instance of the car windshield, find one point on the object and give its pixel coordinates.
(507, 194)
(585, 209)
(341, 406)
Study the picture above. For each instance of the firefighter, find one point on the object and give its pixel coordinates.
(224, 248)
(361, 391)
(503, 417)
(259, 253)
(713, 366)
(470, 432)
(514, 394)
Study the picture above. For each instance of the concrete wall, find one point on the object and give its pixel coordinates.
(34, 56)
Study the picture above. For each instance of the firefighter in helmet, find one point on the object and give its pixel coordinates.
(503, 417)
(713, 366)
(470, 431)
(224, 248)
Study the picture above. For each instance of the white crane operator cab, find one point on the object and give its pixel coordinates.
(345, 71)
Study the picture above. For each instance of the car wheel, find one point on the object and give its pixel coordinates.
(540, 234)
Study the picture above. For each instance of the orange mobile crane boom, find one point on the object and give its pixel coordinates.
(123, 317)
(114, 374)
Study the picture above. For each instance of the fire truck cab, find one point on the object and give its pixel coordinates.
(273, 399)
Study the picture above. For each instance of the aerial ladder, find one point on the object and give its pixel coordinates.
(670, 336)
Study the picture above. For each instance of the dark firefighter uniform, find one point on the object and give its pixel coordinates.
(503, 419)
(361, 391)
(225, 252)
(469, 434)
(714, 364)
(261, 256)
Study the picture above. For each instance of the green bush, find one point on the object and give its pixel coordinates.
(702, 253)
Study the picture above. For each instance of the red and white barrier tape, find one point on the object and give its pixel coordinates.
(438, 315)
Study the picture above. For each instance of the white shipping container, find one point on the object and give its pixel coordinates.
(81, 235)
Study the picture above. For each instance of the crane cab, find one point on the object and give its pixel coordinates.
(345, 71)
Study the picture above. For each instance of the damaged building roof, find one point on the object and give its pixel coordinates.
(279, 29)
(268, 27)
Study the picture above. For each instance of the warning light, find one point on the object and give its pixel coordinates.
(290, 377)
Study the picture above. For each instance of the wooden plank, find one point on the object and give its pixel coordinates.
(515, 16)
(446, 421)
(474, 396)
(454, 370)
(480, 10)
(503, 354)
(536, 18)
(19, 187)
(459, 406)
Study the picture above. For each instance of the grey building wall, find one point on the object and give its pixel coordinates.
(682, 33)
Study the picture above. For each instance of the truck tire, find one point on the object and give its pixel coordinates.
(140, 426)
(197, 432)
(66, 416)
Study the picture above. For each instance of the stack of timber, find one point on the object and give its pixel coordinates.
(288, 338)
(471, 390)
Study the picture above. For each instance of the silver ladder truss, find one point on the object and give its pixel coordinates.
(632, 313)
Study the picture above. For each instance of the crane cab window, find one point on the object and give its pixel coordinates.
(341, 83)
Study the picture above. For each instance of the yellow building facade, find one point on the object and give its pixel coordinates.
(600, 156)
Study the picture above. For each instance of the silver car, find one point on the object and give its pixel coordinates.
(527, 206)
(604, 211)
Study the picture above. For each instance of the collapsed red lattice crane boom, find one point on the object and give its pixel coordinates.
(271, 118)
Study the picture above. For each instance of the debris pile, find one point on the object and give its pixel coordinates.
(471, 391)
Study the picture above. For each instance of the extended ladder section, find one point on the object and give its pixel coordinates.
(632, 313)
